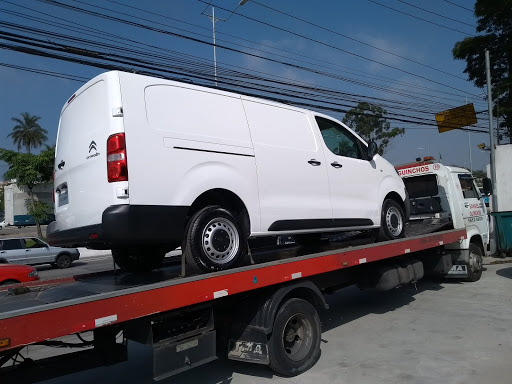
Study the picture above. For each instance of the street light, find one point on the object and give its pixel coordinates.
(214, 20)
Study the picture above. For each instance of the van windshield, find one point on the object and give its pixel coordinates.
(421, 186)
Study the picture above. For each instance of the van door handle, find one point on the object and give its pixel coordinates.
(314, 162)
(336, 165)
(61, 164)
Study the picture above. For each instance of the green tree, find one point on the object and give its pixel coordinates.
(30, 170)
(27, 132)
(495, 24)
(369, 122)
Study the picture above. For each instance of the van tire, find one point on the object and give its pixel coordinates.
(224, 249)
(392, 221)
(137, 260)
(474, 263)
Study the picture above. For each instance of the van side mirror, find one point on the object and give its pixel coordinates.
(487, 186)
(373, 149)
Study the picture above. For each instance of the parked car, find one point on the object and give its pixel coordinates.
(13, 273)
(143, 165)
(28, 220)
(3, 224)
(33, 251)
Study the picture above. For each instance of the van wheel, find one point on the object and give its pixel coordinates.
(294, 345)
(475, 263)
(136, 260)
(392, 221)
(214, 240)
(63, 261)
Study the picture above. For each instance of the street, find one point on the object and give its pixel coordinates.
(448, 332)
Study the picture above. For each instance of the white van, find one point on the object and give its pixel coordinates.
(144, 165)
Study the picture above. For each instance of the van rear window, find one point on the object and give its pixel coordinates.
(421, 186)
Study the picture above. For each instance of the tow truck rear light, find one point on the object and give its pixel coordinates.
(117, 166)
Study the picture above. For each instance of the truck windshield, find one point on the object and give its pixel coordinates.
(421, 186)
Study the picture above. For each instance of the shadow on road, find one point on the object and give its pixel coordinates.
(505, 272)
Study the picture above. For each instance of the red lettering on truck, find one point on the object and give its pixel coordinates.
(414, 171)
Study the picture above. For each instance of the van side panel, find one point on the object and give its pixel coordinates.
(292, 175)
(82, 188)
(183, 141)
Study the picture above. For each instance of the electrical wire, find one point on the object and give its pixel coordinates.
(436, 14)
(419, 18)
(354, 39)
(460, 6)
(337, 48)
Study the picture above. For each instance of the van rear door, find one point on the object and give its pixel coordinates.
(82, 190)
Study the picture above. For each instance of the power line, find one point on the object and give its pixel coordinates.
(337, 48)
(356, 40)
(203, 77)
(460, 6)
(121, 60)
(419, 18)
(162, 31)
(321, 62)
(47, 73)
(437, 14)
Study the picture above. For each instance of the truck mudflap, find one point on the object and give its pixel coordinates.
(249, 351)
(460, 263)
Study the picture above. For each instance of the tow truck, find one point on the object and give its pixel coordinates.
(447, 197)
(188, 319)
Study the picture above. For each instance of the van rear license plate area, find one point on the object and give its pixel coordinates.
(63, 197)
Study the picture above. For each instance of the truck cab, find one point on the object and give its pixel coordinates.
(448, 195)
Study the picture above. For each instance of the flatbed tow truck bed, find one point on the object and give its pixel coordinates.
(148, 307)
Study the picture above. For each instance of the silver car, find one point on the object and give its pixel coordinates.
(31, 251)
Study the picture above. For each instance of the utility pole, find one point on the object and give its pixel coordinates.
(214, 20)
(491, 133)
(469, 145)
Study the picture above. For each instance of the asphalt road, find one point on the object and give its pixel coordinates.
(448, 332)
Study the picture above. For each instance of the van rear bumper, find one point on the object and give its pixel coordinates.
(126, 226)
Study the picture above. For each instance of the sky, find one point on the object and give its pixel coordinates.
(360, 49)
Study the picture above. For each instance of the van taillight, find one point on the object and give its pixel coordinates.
(53, 182)
(117, 168)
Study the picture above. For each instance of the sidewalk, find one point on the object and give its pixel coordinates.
(489, 260)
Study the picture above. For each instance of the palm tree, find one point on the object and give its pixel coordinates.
(27, 132)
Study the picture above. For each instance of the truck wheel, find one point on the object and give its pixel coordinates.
(63, 261)
(135, 260)
(392, 221)
(475, 263)
(294, 345)
(214, 240)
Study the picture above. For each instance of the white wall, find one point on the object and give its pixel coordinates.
(504, 177)
(15, 198)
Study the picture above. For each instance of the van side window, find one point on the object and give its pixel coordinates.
(468, 187)
(339, 141)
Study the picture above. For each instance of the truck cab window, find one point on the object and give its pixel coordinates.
(468, 187)
(338, 139)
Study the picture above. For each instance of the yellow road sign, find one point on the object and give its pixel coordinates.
(456, 118)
